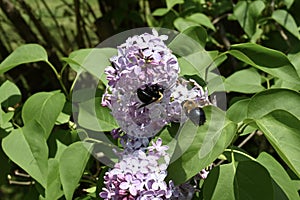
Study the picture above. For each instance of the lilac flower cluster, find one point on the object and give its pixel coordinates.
(145, 60)
(139, 175)
(142, 59)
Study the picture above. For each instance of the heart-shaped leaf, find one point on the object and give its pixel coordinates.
(238, 111)
(247, 14)
(10, 94)
(282, 130)
(201, 19)
(72, 163)
(274, 99)
(287, 21)
(93, 61)
(26, 53)
(43, 107)
(27, 147)
(267, 60)
(244, 81)
(279, 175)
(53, 189)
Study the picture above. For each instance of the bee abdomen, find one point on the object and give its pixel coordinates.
(197, 116)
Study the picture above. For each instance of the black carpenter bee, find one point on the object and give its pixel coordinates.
(150, 93)
(194, 112)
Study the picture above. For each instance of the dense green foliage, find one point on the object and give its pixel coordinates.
(254, 44)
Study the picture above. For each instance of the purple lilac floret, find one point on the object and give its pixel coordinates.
(139, 175)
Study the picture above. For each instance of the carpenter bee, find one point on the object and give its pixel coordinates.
(194, 112)
(150, 93)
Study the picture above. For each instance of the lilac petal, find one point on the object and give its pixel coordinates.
(156, 56)
(147, 52)
(133, 191)
(124, 185)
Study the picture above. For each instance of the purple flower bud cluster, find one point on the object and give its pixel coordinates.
(139, 175)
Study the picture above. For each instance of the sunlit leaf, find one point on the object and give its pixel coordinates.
(10, 94)
(274, 99)
(295, 60)
(247, 14)
(53, 189)
(287, 21)
(71, 166)
(265, 59)
(172, 3)
(93, 61)
(282, 131)
(26, 53)
(244, 81)
(238, 111)
(160, 12)
(219, 183)
(279, 175)
(27, 148)
(43, 107)
(201, 19)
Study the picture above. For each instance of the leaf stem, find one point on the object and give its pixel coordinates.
(59, 77)
(239, 152)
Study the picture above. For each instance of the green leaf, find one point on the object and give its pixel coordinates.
(10, 94)
(5, 117)
(197, 33)
(160, 12)
(282, 130)
(295, 60)
(93, 61)
(219, 183)
(252, 182)
(197, 63)
(26, 53)
(288, 3)
(247, 14)
(60, 149)
(62, 118)
(172, 3)
(53, 189)
(181, 24)
(238, 111)
(197, 147)
(95, 117)
(44, 107)
(286, 20)
(279, 83)
(265, 59)
(27, 148)
(274, 99)
(279, 175)
(71, 166)
(215, 83)
(245, 81)
(201, 19)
